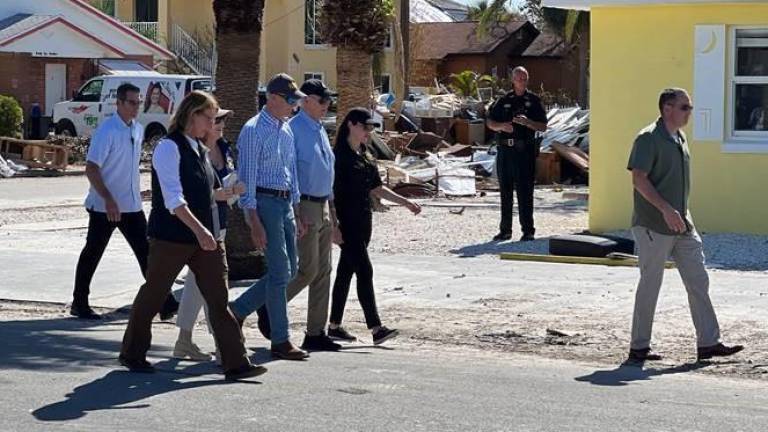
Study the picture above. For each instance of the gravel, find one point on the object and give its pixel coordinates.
(746, 252)
(439, 232)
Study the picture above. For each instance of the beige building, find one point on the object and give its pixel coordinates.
(289, 41)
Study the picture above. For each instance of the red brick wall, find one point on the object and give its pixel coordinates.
(23, 76)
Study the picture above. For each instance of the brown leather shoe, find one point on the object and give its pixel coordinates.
(718, 350)
(288, 351)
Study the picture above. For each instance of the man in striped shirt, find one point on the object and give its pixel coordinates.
(267, 166)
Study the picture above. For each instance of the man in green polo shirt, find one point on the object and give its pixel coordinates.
(662, 226)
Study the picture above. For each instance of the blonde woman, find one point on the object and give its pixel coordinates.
(184, 230)
(191, 298)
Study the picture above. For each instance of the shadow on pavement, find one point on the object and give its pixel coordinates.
(538, 246)
(629, 372)
(61, 344)
(116, 390)
(66, 345)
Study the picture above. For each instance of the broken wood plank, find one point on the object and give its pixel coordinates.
(560, 259)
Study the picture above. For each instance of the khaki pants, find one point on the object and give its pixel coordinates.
(653, 249)
(314, 265)
(166, 260)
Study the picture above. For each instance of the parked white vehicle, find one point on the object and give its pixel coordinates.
(96, 100)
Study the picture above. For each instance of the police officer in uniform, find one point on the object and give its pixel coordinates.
(516, 117)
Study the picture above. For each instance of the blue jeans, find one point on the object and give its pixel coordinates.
(277, 217)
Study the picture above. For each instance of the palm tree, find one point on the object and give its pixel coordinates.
(467, 82)
(572, 25)
(358, 29)
(238, 41)
(563, 21)
(474, 13)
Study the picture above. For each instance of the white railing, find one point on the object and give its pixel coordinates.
(202, 60)
(146, 29)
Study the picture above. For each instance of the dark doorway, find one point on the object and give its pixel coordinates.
(146, 10)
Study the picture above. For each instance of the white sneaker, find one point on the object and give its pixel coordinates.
(188, 350)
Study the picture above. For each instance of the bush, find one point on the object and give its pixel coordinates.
(11, 117)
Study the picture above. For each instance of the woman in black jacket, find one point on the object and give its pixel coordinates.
(356, 179)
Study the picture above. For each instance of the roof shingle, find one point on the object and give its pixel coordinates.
(437, 40)
(19, 23)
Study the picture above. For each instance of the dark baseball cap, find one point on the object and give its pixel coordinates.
(361, 115)
(315, 87)
(285, 86)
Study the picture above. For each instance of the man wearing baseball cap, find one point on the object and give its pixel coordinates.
(267, 166)
(315, 161)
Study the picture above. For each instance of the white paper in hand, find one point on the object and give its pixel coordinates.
(229, 181)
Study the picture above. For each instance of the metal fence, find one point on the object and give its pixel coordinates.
(201, 59)
(146, 29)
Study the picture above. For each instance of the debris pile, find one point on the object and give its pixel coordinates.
(19, 154)
(9, 168)
(568, 135)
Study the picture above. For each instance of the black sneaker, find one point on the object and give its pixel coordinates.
(502, 236)
(263, 322)
(319, 342)
(527, 237)
(139, 366)
(84, 312)
(383, 335)
(170, 307)
(341, 333)
(247, 371)
(642, 355)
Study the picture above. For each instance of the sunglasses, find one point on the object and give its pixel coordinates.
(683, 108)
(220, 120)
(133, 103)
(322, 100)
(292, 100)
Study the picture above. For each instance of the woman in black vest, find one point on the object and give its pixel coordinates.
(220, 155)
(184, 230)
(356, 178)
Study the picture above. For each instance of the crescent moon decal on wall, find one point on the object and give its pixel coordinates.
(711, 44)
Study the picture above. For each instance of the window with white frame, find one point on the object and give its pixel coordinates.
(314, 75)
(749, 84)
(311, 29)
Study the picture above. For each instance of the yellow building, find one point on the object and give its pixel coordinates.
(289, 42)
(718, 50)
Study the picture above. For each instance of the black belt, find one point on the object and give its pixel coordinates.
(274, 192)
(511, 142)
(314, 198)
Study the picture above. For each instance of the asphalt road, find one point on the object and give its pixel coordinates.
(61, 374)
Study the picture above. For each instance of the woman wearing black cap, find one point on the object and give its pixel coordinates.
(356, 178)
